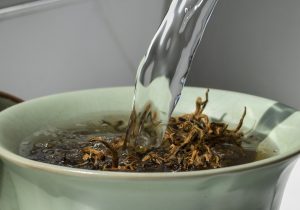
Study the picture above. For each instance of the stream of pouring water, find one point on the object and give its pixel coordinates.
(163, 70)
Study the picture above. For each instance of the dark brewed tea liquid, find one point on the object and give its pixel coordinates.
(64, 147)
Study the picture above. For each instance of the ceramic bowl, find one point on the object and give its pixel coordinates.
(38, 186)
(7, 100)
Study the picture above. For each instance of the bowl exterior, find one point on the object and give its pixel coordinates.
(7, 100)
(258, 188)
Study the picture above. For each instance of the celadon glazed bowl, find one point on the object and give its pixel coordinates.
(7, 100)
(37, 186)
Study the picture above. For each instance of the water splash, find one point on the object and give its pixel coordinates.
(163, 70)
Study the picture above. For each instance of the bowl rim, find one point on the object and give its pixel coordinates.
(23, 162)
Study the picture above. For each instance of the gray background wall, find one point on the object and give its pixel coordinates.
(54, 46)
(253, 47)
(249, 46)
(7, 3)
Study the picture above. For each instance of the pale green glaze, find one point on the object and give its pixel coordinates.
(29, 185)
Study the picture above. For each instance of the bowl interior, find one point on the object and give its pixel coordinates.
(273, 122)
